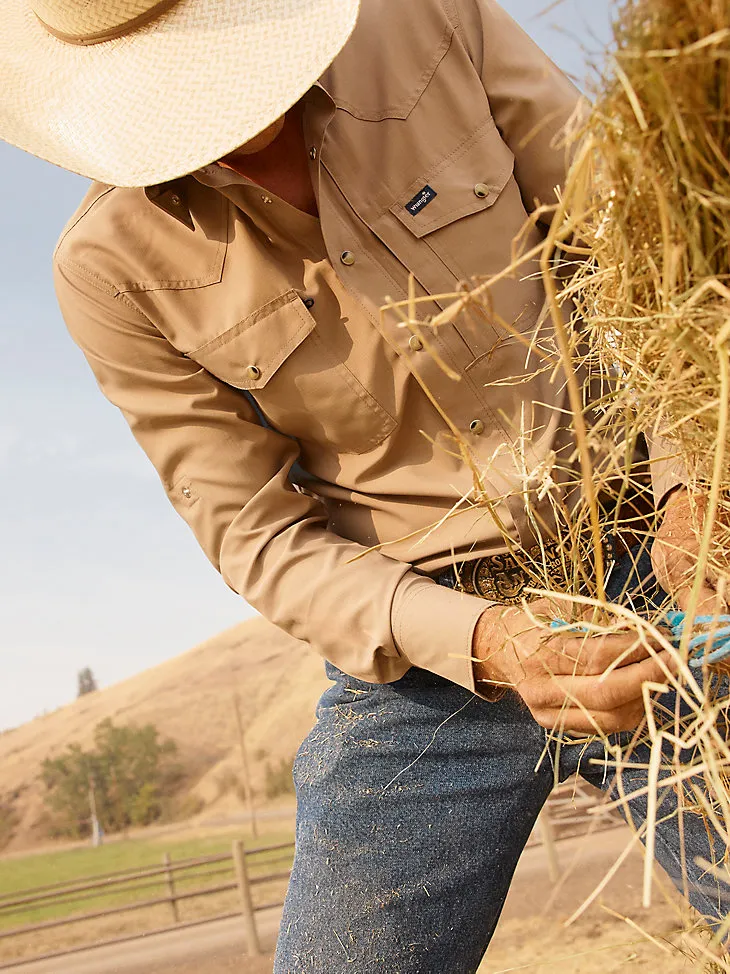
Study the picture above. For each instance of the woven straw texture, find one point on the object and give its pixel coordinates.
(171, 96)
(90, 16)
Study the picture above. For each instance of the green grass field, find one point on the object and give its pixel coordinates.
(78, 865)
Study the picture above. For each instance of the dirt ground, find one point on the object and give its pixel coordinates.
(608, 937)
(614, 934)
(225, 963)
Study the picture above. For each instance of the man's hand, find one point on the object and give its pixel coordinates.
(558, 675)
(675, 553)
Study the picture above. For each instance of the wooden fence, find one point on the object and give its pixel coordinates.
(565, 815)
(241, 861)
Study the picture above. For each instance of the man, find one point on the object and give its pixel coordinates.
(280, 181)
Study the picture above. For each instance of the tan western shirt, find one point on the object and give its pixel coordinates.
(206, 305)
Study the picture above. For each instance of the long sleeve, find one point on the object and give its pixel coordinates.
(228, 477)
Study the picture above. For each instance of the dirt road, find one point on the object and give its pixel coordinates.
(212, 947)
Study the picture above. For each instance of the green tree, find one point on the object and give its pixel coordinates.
(130, 770)
(68, 779)
(147, 805)
(87, 682)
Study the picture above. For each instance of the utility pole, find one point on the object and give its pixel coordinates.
(244, 763)
(96, 835)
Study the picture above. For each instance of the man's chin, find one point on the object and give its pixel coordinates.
(257, 144)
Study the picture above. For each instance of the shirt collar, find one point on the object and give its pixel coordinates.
(172, 197)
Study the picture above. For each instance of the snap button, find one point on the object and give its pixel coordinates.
(477, 427)
(187, 493)
(348, 258)
(253, 372)
(481, 190)
(309, 303)
(313, 153)
(175, 200)
(415, 344)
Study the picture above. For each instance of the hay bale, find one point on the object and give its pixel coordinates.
(650, 198)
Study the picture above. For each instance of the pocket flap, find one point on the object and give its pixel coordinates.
(467, 181)
(249, 354)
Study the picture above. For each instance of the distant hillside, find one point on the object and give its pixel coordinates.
(189, 699)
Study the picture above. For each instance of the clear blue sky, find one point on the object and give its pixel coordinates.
(96, 569)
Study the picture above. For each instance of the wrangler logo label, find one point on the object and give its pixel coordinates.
(422, 198)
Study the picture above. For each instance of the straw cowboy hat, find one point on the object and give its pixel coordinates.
(136, 92)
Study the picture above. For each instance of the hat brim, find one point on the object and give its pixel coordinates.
(172, 96)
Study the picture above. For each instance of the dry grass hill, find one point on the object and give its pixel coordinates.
(190, 699)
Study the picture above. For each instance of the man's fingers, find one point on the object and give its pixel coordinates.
(620, 649)
(589, 705)
(619, 689)
(593, 655)
(572, 720)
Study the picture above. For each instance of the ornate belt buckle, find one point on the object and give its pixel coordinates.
(500, 579)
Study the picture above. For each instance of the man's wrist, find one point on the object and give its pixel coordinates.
(486, 682)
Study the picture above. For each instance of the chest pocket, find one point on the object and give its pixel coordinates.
(301, 387)
(441, 193)
(455, 206)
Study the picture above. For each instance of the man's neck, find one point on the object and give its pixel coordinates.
(283, 166)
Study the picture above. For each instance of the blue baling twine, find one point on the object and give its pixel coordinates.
(715, 643)
(708, 647)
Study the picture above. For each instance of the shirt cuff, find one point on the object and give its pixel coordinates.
(667, 470)
(433, 627)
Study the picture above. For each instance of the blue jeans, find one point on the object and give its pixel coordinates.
(415, 801)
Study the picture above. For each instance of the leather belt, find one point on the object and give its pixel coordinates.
(503, 578)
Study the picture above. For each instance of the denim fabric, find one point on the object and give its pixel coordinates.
(415, 800)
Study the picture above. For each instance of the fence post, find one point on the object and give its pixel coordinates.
(253, 945)
(548, 841)
(171, 888)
